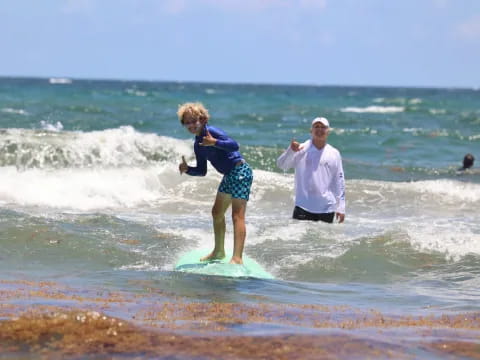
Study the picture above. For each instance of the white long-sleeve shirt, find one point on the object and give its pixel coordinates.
(319, 179)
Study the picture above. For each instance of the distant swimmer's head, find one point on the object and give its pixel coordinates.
(193, 116)
(468, 161)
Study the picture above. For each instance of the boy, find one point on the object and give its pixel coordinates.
(214, 145)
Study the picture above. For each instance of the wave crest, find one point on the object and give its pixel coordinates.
(52, 148)
(374, 109)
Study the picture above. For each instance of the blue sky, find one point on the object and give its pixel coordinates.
(320, 42)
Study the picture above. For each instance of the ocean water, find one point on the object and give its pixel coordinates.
(91, 199)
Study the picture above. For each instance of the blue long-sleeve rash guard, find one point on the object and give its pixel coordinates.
(223, 156)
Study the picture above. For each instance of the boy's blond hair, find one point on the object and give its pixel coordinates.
(193, 109)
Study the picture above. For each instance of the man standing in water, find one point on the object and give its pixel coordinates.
(214, 145)
(319, 179)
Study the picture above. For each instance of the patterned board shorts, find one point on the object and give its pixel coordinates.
(237, 182)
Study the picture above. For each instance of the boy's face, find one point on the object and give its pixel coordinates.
(193, 124)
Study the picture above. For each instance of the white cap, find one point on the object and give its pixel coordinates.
(322, 120)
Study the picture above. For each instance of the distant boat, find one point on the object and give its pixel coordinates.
(60, 81)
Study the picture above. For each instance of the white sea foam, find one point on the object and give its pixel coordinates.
(374, 109)
(415, 101)
(136, 92)
(60, 81)
(340, 131)
(157, 186)
(80, 189)
(404, 198)
(448, 191)
(141, 266)
(269, 190)
(14, 111)
(452, 237)
(427, 132)
(122, 146)
(58, 126)
(437, 111)
(439, 216)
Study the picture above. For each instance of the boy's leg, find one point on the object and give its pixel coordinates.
(239, 207)
(222, 202)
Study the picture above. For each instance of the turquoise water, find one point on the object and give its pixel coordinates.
(90, 193)
(425, 132)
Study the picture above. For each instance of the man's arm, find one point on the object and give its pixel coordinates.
(287, 159)
(339, 185)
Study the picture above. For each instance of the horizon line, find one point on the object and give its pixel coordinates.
(74, 78)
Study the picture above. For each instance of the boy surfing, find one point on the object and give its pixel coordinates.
(214, 145)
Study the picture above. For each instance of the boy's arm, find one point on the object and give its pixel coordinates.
(220, 140)
(228, 144)
(201, 168)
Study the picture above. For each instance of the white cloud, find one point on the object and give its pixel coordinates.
(244, 5)
(174, 6)
(78, 6)
(326, 39)
(441, 4)
(319, 4)
(260, 5)
(470, 29)
(235, 6)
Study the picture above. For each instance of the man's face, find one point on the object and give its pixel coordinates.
(320, 131)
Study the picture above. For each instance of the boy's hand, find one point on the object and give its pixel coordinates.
(208, 140)
(183, 167)
(295, 146)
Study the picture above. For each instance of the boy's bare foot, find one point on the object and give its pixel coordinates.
(236, 260)
(214, 256)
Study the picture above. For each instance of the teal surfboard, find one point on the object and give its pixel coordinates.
(190, 262)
